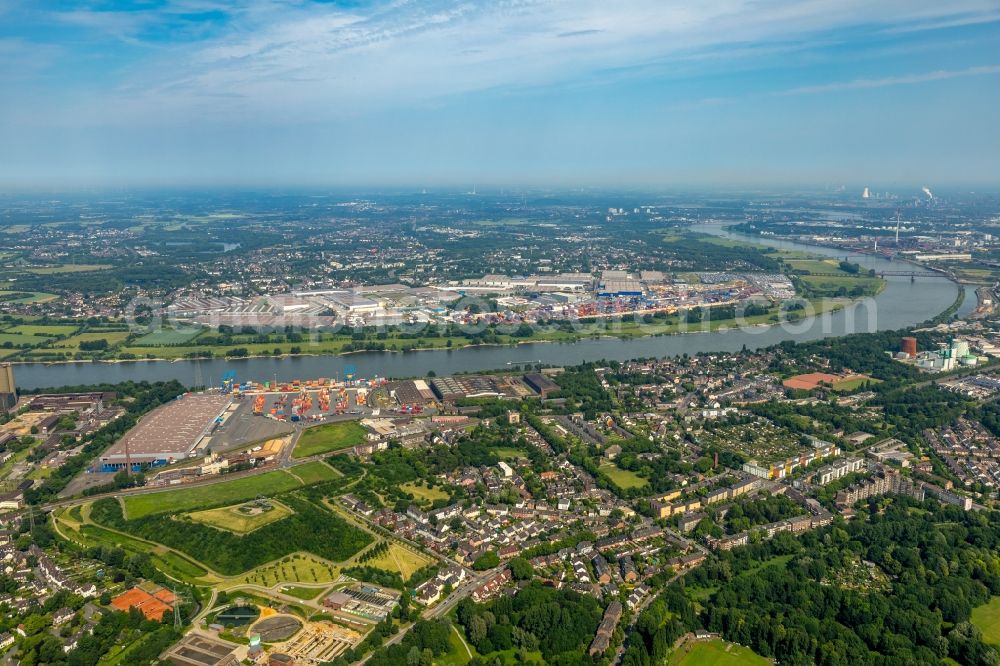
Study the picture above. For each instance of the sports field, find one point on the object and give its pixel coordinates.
(216, 494)
(329, 437)
(399, 559)
(987, 618)
(240, 518)
(715, 652)
(622, 478)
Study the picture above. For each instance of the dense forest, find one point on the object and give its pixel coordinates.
(559, 624)
(310, 529)
(798, 599)
(582, 390)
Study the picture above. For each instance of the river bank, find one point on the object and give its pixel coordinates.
(611, 329)
(900, 304)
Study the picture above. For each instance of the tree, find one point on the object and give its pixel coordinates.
(487, 560)
(521, 569)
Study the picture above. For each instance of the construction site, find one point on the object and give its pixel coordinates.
(319, 643)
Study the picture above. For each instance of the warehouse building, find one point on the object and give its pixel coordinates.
(541, 384)
(169, 433)
(471, 386)
(619, 288)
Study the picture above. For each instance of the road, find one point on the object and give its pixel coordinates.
(284, 462)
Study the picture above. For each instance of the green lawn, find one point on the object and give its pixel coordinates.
(622, 478)
(304, 593)
(776, 561)
(329, 437)
(508, 453)
(460, 652)
(987, 618)
(315, 472)
(715, 653)
(216, 494)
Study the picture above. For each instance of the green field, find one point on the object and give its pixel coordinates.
(174, 565)
(232, 519)
(715, 653)
(167, 336)
(216, 494)
(97, 535)
(314, 472)
(399, 559)
(814, 265)
(830, 284)
(69, 268)
(622, 478)
(18, 339)
(32, 297)
(52, 330)
(987, 619)
(422, 493)
(73, 342)
(296, 568)
(329, 437)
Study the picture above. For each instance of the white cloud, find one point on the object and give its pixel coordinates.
(907, 79)
(296, 61)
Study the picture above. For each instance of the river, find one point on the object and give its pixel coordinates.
(902, 303)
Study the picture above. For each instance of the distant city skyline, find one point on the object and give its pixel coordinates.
(642, 93)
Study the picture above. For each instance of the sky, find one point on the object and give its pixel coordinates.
(456, 93)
